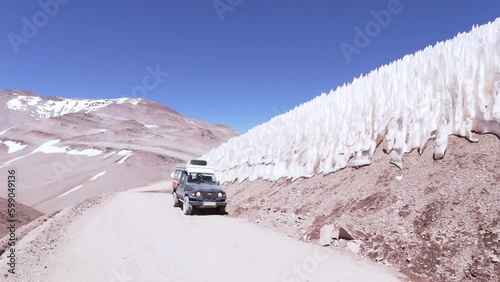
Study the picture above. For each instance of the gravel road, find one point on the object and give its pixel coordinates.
(138, 236)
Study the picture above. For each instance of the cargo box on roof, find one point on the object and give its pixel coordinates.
(198, 162)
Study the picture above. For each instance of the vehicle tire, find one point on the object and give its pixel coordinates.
(176, 200)
(221, 210)
(186, 207)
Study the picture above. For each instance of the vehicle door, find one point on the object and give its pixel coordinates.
(175, 180)
(182, 185)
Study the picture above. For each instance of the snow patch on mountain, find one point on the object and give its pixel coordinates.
(5, 131)
(16, 104)
(14, 160)
(13, 146)
(109, 155)
(50, 147)
(147, 125)
(124, 153)
(125, 158)
(46, 108)
(98, 175)
(70, 191)
(452, 88)
(91, 152)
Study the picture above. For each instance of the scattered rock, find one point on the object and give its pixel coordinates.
(354, 246)
(344, 234)
(399, 178)
(494, 259)
(326, 235)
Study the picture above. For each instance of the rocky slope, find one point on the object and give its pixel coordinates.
(23, 215)
(436, 219)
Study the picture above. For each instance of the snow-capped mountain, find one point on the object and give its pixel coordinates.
(30, 106)
(452, 88)
(46, 108)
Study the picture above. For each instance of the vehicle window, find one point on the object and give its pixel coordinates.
(208, 178)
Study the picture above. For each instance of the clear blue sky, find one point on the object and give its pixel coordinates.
(264, 57)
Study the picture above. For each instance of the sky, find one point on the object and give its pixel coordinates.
(232, 62)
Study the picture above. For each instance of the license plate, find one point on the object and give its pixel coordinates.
(209, 204)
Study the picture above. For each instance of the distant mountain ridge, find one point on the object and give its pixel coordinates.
(46, 107)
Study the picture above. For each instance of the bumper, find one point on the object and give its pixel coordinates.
(206, 204)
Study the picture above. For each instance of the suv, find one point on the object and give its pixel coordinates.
(194, 184)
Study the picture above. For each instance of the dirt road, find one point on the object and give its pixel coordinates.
(138, 236)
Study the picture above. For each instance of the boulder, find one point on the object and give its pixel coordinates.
(326, 234)
(344, 234)
(354, 246)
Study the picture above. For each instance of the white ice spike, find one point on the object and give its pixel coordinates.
(452, 88)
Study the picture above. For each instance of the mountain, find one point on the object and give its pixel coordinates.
(66, 150)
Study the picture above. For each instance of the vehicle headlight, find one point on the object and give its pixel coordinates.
(198, 194)
(221, 194)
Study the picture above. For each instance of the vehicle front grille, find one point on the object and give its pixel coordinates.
(209, 196)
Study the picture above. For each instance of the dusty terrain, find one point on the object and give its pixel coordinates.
(439, 220)
(110, 238)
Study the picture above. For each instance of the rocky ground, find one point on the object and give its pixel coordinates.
(436, 220)
(44, 234)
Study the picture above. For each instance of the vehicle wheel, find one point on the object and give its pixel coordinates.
(176, 200)
(186, 207)
(221, 210)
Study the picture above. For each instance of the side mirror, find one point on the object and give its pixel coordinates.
(218, 182)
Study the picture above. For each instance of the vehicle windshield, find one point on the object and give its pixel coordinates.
(208, 178)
